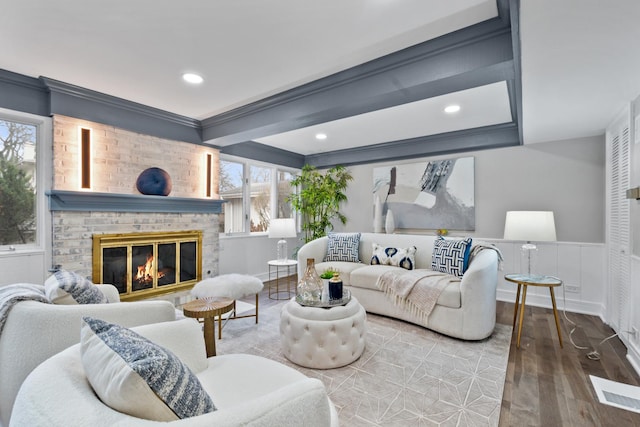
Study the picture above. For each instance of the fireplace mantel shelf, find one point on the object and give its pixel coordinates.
(107, 202)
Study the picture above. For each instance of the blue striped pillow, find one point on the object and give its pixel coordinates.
(343, 247)
(67, 287)
(451, 256)
(138, 377)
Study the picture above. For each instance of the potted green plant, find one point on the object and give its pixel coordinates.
(328, 273)
(318, 199)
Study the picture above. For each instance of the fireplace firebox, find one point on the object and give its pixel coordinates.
(142, 265)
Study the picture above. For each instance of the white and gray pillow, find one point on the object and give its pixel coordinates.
(135, 376)
(398, 257)
(67, 287)
(343, 247)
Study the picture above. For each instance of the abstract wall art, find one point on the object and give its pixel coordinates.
(428, 195)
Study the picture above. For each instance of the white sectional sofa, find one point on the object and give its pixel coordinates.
(465, 309)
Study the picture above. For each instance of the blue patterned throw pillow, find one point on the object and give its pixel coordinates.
(451, 256)
(67, 287)
(138, 377)
(399, 257)
(343, 247)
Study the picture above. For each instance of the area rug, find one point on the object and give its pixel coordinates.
(407, 375)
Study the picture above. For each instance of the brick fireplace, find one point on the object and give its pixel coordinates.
(113, 205)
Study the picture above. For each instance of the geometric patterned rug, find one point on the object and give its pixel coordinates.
(407, 375)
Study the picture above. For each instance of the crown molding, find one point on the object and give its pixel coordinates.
(483, 138)
(58, 87)
(264, 153)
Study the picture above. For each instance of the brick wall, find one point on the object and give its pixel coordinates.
(73, 231)
(118, 158)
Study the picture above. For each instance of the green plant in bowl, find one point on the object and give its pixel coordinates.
(328, 273)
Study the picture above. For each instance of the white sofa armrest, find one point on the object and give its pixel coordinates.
(315, 249)
(478, 293)
(111, 292)
(35, 331)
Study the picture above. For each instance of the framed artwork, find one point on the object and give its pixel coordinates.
(428, 195)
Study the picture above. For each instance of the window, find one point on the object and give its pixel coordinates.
(231, 190)
(17, 183)
(260, 187)
(22, 183)
(284, 190)
(249, 207)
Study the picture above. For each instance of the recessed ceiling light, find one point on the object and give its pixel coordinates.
(452, 109)
(192, 78)
(321, 136)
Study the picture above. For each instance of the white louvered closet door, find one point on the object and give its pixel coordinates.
(618, 222)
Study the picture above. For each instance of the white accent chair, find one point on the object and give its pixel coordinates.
(35, 331)
(246, 389)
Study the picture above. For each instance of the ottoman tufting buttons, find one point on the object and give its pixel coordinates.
(313, 349)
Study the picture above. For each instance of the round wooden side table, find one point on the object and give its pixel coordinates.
(208, 309)
(524, 280)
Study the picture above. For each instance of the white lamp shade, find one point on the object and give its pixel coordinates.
(282, 228)
(530, 226)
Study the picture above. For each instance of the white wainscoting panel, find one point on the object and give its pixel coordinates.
(579, 265)
(633, 342)
(22, 267)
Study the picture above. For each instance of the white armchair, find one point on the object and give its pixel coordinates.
(246, 389)
(35, 331)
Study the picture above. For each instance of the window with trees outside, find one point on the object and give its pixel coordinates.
(18, 183)
(254, 193)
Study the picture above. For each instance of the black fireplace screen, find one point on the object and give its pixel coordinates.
(161, 263)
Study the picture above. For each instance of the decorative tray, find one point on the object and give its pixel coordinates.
(346, 297)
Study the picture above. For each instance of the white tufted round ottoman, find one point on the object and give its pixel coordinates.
(323, 338)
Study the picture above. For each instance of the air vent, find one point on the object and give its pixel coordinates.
(617, 394)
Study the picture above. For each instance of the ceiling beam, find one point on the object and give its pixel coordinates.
(471, 57)
(496, 136)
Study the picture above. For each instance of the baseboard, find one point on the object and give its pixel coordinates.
(573, 306)
(633, 356)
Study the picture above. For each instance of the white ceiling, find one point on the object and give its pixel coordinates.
(480, 106)
(578, 61)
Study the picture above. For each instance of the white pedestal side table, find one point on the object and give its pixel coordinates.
(282, 266)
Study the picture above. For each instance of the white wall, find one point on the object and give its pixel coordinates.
(249, 254)
(567, 177)
(564, 176)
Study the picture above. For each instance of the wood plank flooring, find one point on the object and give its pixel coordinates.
(549, 386)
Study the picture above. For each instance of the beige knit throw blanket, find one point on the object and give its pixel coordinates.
(416, 291)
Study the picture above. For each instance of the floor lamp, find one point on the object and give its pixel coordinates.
(282, 228)
(530, 226)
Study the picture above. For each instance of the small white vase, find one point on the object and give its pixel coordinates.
(325, 290)
(377, 215)
(390, 223)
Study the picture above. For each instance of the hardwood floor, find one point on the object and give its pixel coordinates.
(549, 386)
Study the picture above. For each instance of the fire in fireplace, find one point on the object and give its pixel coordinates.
(145, 264)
